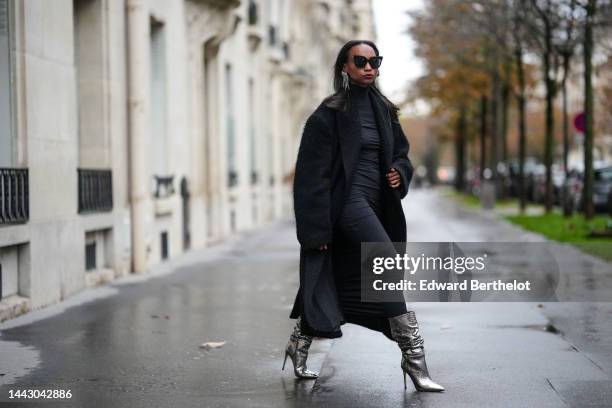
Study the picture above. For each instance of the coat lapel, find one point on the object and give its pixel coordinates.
(383, 122)
(349, 137)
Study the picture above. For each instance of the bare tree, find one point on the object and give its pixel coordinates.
(566, 48)
(519, 24)
(596, 17)
(546, 12)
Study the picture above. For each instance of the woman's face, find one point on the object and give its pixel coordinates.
(362, 76)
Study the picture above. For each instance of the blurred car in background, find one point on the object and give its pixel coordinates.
(420, 176)
(535, 174)
(472, 180)
(602, 187)
(535, 182)
(558, 179)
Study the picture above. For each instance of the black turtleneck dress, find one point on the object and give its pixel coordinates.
(359, 220)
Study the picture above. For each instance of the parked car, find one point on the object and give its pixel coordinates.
(537, 183)
(574, 185)
(558, 177)
(533, 172)
(472, 179)
(602, 188)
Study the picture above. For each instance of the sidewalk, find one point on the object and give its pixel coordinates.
(485, 354)
(136, 344)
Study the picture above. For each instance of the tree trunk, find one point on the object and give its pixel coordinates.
(587, 192)
(483, 136)
(505, 111)
(505, 105)
(494, 130)
(550, 96)
(522, 128)
(460, 150)
(565, 198)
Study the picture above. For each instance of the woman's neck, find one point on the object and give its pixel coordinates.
(357, 89)
(353, 82)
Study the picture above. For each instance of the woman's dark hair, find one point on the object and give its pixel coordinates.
(340, 99)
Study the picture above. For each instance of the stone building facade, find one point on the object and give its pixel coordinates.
(132, 131)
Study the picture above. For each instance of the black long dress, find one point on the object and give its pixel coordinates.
(359, 221)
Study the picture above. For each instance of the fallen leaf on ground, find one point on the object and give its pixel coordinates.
(212, 345)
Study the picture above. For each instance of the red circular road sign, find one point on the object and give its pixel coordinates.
(579, 122)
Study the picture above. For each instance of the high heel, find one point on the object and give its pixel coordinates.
(285, 360)
(405, 330)
(297, 350)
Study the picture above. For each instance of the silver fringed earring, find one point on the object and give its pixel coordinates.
(345, 81)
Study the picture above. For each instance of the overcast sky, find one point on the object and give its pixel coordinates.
(399, 64)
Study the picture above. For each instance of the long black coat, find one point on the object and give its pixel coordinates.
(326, 161)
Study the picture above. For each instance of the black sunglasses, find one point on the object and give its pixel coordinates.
(360, 61)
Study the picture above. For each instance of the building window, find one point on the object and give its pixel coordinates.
(90, 256)
(95, 190)
(272, 35)
(14, 269)
(98, 249)
(159, 139)
(253, 15)
(164, 245)
(14, 196)
(90, 63)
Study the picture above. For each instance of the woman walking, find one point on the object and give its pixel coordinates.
(351, 173)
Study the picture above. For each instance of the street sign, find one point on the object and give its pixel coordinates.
(579, 120)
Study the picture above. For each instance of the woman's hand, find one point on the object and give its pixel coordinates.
(322, 247)
(393, 178)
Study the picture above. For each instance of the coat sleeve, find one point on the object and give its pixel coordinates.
(312, 185)
(400, 160)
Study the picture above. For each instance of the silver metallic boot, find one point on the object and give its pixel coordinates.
(405, 330)
(297, 349)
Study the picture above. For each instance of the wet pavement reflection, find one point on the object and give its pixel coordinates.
(140, 345)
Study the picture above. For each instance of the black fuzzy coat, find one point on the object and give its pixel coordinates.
(326, 161)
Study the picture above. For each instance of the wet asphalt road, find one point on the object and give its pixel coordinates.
(136, 343)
